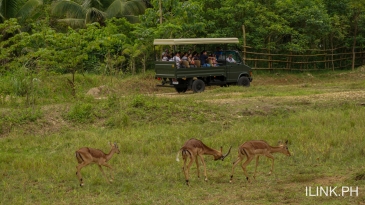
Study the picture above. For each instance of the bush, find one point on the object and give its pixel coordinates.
(118, 121)
(82, 113)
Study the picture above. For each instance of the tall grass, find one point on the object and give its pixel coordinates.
(325, 138)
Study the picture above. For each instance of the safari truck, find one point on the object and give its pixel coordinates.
(183, 76)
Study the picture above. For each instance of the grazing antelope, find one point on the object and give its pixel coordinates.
(253, 148)
(193, 149)
(86, 156)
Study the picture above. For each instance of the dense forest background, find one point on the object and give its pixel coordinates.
(115, 37)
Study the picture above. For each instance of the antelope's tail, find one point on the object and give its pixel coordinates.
(177, 156)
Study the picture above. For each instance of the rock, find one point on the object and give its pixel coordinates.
(96, 91)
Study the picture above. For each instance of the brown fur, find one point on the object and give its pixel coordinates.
(86, 156)
(193, 149)
(253, 148)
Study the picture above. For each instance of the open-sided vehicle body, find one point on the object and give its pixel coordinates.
(195, 78)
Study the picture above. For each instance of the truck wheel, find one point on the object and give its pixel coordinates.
(243, 81)
(198, 86)
(180, 89)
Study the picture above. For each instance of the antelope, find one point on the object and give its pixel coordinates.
(253, 148)
(193, 149)
(86, 156)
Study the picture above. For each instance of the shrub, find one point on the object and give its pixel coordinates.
(81, 112)
(118, 121)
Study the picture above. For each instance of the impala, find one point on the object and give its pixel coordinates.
(86, 156)
(253, 148)
(193, 149)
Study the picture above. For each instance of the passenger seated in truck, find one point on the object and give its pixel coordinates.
(165, 58)
(218, 53)
(230, 59)
(196, 56)
(185, 56)
(177, 59)
(165, 52)
(191, 61)
(204, 59)
(213, 60)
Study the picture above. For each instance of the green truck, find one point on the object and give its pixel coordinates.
(225, 73)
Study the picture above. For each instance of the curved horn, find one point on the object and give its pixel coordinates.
(229, 151)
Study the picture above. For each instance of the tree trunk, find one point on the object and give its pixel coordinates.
(333, 64)
(144, 63)
(133, 67)
(160, 10)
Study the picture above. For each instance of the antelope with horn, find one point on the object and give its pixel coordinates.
(253, 148)
(86, 156)
(193, 149)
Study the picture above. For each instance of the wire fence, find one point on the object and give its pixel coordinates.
(312, 59)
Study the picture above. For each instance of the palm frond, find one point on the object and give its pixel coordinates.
(120, 8)
(131, 18)
(134, 7)
(26, 10)
(9, 8)
(74, 23)
(92, 4)
(114, 9)
(95, 15)
(68, 8)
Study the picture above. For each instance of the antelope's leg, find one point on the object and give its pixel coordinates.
(187, 168)
(249, 159)
(78, 172)
(205, 168)
(184, 166)
(272, 163)
(111, 171)
(257, 163)
(197, 165)
(102, 171)
(238, 160)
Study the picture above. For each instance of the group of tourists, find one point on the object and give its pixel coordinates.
(195, 59)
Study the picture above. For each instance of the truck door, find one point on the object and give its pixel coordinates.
(234, 66)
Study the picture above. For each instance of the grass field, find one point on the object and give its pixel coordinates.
(321, 114)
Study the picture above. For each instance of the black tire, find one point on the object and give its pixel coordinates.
(180, 89)
(244, 81)
(198, 86)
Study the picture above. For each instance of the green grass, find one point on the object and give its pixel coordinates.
(323, 123)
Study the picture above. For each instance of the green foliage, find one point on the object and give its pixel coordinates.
(18, 117)
(107, 43)
(78, 14)
(120, 120)
(18, 9)
(139, 101)
(81, 113)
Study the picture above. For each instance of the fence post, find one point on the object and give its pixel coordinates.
(244, 42)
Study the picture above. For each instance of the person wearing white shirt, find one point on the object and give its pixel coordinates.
(165, 58)
(177, 59)
(230, 59)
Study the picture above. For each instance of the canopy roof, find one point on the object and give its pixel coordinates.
(185, 41)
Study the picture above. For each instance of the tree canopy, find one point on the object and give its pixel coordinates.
(99, 35)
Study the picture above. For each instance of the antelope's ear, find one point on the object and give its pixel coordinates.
(110, 144)
(286, 141)
(279, 142)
